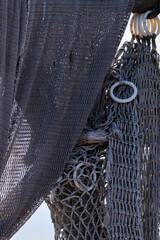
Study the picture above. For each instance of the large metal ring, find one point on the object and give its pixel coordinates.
(127, 99)
(79, 184)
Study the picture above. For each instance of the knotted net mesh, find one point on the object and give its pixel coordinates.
(54, 58)
(110, 187)
(79, 208)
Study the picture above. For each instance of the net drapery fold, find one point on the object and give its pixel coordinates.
(54, 58)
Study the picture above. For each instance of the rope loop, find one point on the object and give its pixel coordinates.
(143, 27)
(81, 178)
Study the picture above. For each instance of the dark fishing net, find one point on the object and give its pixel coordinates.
(110, 190)
(78, 209)
(54, 58)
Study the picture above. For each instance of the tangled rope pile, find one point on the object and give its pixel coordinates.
(110, 189)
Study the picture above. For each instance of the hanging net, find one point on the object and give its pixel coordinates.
(80, 196)
(110, 187)
(54, 57)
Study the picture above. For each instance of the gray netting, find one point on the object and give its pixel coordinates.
(110, 187)
(54, 55)
(79, 205)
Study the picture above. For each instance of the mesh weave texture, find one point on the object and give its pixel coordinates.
(111, 190)
(54, 58)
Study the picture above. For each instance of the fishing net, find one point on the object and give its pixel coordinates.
(54, 58)
(79, 203)
(110, 187)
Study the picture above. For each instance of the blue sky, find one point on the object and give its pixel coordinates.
(38, 227)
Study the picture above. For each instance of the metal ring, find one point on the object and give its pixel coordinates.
(79, 185)
(143, 24)
(141, 32)
(136, 26)
(127, 99)
(158, 26)
(149, 26)
(153, 25)
(144, 27)
(132, 24)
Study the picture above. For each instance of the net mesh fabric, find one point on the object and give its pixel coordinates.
(54, 58)
(150, 114)
(128, 190)
(78, 208)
